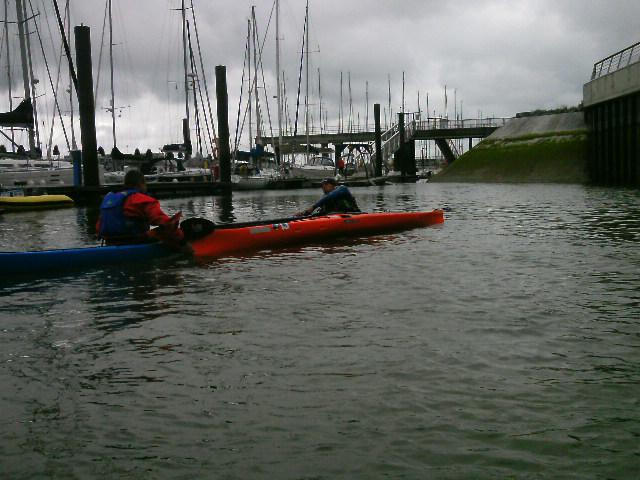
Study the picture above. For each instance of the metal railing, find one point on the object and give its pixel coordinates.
(410, 126)
(444, 123)
(615, 62)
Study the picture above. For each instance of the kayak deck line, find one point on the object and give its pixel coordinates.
(222, 240)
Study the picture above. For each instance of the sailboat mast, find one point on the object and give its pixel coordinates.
(306, 100)
(279, 86)
(6, 37)
(255, 73)
(184, 60)
(319, 101)
(113, 106)
(32, 81)
(366, 95)
(390, 111)
(250, 87)
(340, 114)
(74, 146)
(25, 68)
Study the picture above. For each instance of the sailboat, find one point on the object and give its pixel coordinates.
(22, 168)
(256, 168)
(171, 164)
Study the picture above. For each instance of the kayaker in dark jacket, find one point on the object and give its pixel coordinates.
(127, 216)
(337, 199)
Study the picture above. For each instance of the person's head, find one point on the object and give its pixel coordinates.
(328, 184)
(135, 179)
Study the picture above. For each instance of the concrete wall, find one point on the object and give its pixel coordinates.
(537, 149)
(540, 125)
(613, 85)
(614, 141)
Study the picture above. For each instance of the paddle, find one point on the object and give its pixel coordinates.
(196, 227)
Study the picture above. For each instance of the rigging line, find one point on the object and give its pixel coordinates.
(59, 56)
(2, 41)
(204, 77)
(9, 138)
(73, 130)
(31, 75)
(104, 25)
(126, 51)
(66, 46)
(244, 119)
(264, 82)
(196, 112)
(46, 63)
(204, 114)
(57, 106)
(6, 39)
(304, 31)
(238, 132)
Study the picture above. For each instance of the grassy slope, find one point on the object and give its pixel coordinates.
(547, 159)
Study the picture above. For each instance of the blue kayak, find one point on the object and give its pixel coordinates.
(71, 258)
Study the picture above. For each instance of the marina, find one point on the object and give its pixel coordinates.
(319, 240)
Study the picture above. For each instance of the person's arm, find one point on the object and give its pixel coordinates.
(139, 205)
(336, 194)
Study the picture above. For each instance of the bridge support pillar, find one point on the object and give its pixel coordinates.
(613, 144)
(376, 116)
(400, 163)
(410, 157)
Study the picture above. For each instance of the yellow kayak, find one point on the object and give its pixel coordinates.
(32, 202)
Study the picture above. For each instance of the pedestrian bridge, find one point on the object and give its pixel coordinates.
(440, 130)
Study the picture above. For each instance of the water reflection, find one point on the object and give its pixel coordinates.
(122, 297)
(86, 219)
(225, 203)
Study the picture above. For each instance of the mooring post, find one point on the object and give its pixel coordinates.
(376, 117)
(223, 123)
(86, 106)
(400, 156)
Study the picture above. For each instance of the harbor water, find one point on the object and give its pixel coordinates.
(504, 343)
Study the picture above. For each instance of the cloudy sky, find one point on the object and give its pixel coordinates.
(496, 57)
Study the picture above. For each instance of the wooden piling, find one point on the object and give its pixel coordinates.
(86, 106)
(223, 123)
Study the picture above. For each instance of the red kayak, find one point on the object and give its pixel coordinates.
(224, 240)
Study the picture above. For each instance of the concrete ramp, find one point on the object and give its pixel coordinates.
(540, 125)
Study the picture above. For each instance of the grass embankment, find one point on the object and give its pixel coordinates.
(558, 157)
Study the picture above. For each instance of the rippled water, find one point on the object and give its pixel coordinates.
(502, 344)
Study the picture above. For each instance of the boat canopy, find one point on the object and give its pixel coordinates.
(254, 153)
(20, 117)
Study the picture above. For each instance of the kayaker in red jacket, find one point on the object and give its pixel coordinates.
(127, 216)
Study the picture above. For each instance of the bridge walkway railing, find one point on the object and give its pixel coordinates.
(615, 62)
